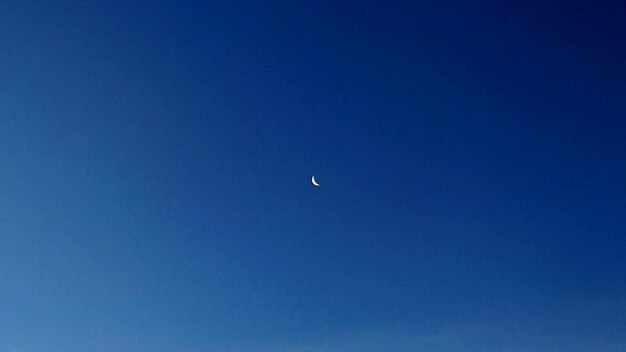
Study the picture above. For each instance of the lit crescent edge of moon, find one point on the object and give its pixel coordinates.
(314, 182)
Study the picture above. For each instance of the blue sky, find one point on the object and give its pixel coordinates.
(156, 161)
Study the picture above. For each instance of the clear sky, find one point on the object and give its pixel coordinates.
(155, 165)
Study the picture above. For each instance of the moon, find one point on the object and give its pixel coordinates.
(314, 182)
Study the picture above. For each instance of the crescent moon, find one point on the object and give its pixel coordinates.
(314, 182)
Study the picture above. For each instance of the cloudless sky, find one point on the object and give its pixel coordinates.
(155, 165)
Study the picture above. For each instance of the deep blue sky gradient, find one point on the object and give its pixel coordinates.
(156, 159)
